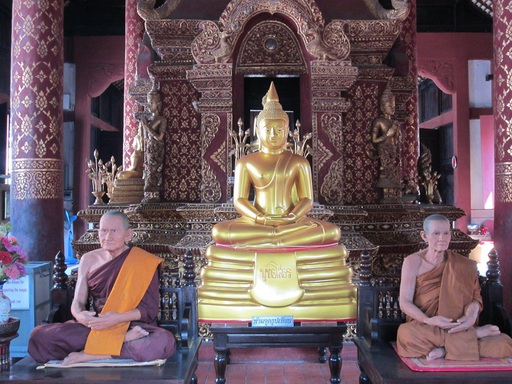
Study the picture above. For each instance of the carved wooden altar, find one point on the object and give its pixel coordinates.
(343, 66)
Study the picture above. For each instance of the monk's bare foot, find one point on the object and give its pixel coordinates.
(436, 353)
(487, 330)
(81, 357)
(135, 333)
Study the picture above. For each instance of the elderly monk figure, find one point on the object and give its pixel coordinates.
(274, 260)
(440, 294)
(123, 283)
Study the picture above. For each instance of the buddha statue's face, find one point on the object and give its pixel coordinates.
(273, 134)
(388, 106)
(154, 102)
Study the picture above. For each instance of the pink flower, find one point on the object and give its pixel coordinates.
(5, 258)
(12, 271)
(12, 258)
(5, 242)
(21, 269)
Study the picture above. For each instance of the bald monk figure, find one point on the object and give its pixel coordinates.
(123, 282)
(440, 294)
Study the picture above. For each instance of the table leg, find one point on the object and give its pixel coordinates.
(335, 365)
(322, 353)
(220, 366)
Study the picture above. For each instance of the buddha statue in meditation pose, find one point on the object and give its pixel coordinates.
(274, 260)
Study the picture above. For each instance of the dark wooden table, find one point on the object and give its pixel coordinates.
(5, 354)
(383, 366)
(179, 369)
(322, 337)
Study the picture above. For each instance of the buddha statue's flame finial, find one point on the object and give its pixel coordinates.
(272, 109)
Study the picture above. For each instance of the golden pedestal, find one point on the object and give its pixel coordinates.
(127, 191)
(308, 283)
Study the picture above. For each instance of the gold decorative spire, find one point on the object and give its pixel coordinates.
(272, 109)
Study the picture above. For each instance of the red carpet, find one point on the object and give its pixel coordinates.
(421, 364)
(443, 365)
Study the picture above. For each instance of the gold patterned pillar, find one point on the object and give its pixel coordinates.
(134, 29)
(328, 80)
(410, 133)
(502, 102)
(37, 61)
(214, 81)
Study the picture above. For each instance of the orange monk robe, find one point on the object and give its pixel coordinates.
(129, 288)
(447, 290)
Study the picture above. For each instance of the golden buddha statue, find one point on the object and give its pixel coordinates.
(274, 260)
(136, 168)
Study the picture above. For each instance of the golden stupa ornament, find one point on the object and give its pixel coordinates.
(274, 260)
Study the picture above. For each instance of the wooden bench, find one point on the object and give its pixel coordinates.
(379, 316)
(178, 314)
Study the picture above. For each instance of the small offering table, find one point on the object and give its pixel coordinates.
(328, 336)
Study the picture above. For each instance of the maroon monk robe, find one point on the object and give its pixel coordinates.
(447, 290)
(56, 341)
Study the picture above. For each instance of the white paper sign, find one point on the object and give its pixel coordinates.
(18, 291)
(272, 321)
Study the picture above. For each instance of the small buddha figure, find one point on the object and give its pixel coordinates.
(137, 160)
(385, 137)
(154, 128)
(274, 260)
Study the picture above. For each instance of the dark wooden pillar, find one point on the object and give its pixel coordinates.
(37, 60)
(502, 95)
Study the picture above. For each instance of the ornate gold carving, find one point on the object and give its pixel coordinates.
(211, 45)
(219, 157)
(318, 48)
(172, 39)
(211, 190)
(322, 155)
(335, 38)
(37, 179)
(332, 124)
(399, 11)
(332, 187)
(210, 123)
(147, 11)
(403, 88)
(269, 48)
(503, 182)
(378, 73)
(214, 81)
(305, 14)
(371, 40)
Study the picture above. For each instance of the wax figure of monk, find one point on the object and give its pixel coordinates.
(124, 285)
(440, 294)
(274, 260)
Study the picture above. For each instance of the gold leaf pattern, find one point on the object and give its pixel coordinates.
(37, 179)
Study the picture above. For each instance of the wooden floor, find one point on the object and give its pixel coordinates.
(277, 366)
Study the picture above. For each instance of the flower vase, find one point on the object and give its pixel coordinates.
(99, 197)
(5, 304)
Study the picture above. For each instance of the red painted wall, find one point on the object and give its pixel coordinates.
(99, 61)
(444, 57)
